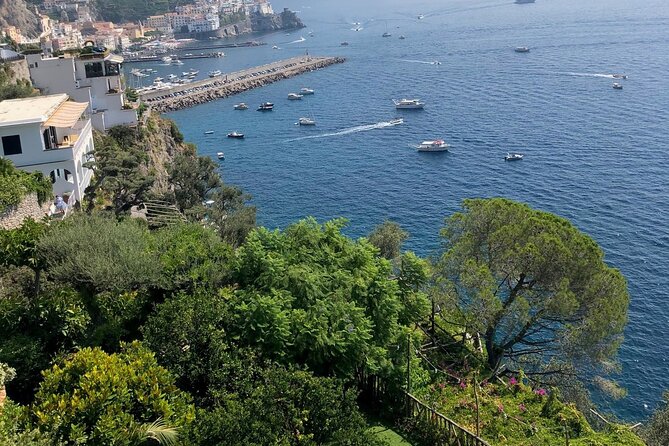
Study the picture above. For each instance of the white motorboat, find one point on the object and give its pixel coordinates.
(241, 106)
(267, 106)
(236, 135)
(215, 73)
(617, 86)
(275, 47)
(396, 121)
(438, 145)
(409, 104)
(421, 17)
(220, 155)
(158, 80)
(620, 76)
(193, 72)
(306, 121)
(166, 60)
(522, 49)
(172, 76)
(306, 91)
(294, 97)
(177, 62)
(386, 34)
(513, 157)
(209, 132)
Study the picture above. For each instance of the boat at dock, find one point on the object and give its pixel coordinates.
(513, 157)
(236, 135)
(166, 60)
(522, 49)
(306, 121)
(438, 145)
(294, 97)
(267, 106)
(241, 106)
(220, 155)
(306, 91)
(409, 104)
(215, 73)
(177, 62)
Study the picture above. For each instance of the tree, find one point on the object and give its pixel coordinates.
(99, 399)
(96, 253)
(18, 247)
(388, 237)
(536, 289)
(231, 215)
(193, 179)
(656, 431)
(280, 406)
(120, 167)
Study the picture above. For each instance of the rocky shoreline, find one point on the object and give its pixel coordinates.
(224, 86)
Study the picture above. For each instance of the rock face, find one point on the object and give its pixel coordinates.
(285, 21)
(16, 13)
(29, 207)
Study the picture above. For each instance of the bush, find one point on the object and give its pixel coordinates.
(16, 184)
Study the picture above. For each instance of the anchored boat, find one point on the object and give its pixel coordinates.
(408, 104)
(236, 135)
(513, 157)
(438, 145)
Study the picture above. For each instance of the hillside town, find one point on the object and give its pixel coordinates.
(69, 24)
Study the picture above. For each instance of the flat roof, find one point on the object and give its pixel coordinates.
(29, 110)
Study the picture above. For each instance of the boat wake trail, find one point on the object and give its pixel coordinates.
(300, 40)
(426, 62)
(357, 129)
(607, 76)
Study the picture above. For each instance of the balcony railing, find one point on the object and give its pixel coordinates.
(72, 139)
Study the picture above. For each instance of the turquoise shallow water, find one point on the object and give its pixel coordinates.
(592, 154)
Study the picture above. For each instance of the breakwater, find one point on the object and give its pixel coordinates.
(178, 97)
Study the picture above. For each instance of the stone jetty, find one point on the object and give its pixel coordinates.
(183, 96)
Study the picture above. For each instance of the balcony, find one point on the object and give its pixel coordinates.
(69, 141)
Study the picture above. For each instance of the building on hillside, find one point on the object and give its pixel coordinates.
(159, 23)
(94, 78)
(52, 135)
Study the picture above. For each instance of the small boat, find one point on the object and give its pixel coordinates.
(275, 47)
(158, 80)
(193, 72)
(177, 62)
(220, 155)
(409, 104)
(267, 106)
(344, 44)
(513, 157)
(306, 91)
(421, 17)
(617, 86)
(185, 74)
(236, 135)
(386, 34)
(294, 97)
(522, 49)
(172, 77)
(438, 145)
(620, 76)
(402, 37)
(209, 132)
(311, 34)
(436, 62)
(306, 121)
(241, 106)
(166, 60)
(215, 73)
(396, 121)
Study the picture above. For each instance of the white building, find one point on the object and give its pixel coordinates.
(93, 78)
(51, 135)
(205, 23)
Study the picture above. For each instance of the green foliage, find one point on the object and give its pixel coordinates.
(6, 374)
(656, 431)
(121, 166)
(19, 246)
(280, 406)
(176, 133)
(13, 89)
(15, 184)
(388, 237)
(533, 285)
(231, 215)
(193, 179)
(95, 253)
(15, 429)
(99, 399)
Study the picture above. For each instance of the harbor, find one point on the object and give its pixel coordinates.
(172, 97)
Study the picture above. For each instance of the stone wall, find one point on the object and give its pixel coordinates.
(19, 70)
(13, 216)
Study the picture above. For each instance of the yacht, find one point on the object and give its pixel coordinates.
(215, 73)
(409, 104)
(306, 121)
(617, 86)
(241, 106)
(522, 49)
(267, 106)
(220, 155)
(236, 135)
(306, 91)
(513, 157)
(438, 145)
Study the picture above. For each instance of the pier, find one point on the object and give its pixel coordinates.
(141, 59)
(178, 97)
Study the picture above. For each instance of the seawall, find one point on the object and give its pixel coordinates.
(189, 95)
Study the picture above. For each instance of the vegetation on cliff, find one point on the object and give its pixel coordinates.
(16, 13)
(13, 88)
(15, 184)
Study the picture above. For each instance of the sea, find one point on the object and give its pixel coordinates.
(595, 155)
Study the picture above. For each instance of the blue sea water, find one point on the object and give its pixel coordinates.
(595, 155)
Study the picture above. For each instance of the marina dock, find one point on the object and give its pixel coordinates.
(177, 97)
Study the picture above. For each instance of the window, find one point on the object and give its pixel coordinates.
(112, 69)
(11, 145)
(94, 69)
(49, 138)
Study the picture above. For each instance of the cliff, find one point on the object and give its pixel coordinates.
(16, 13)
(286, 20)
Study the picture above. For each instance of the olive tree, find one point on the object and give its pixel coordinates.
(533, 287)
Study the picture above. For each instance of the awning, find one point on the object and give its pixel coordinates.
(67, 115)
(115, 58)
